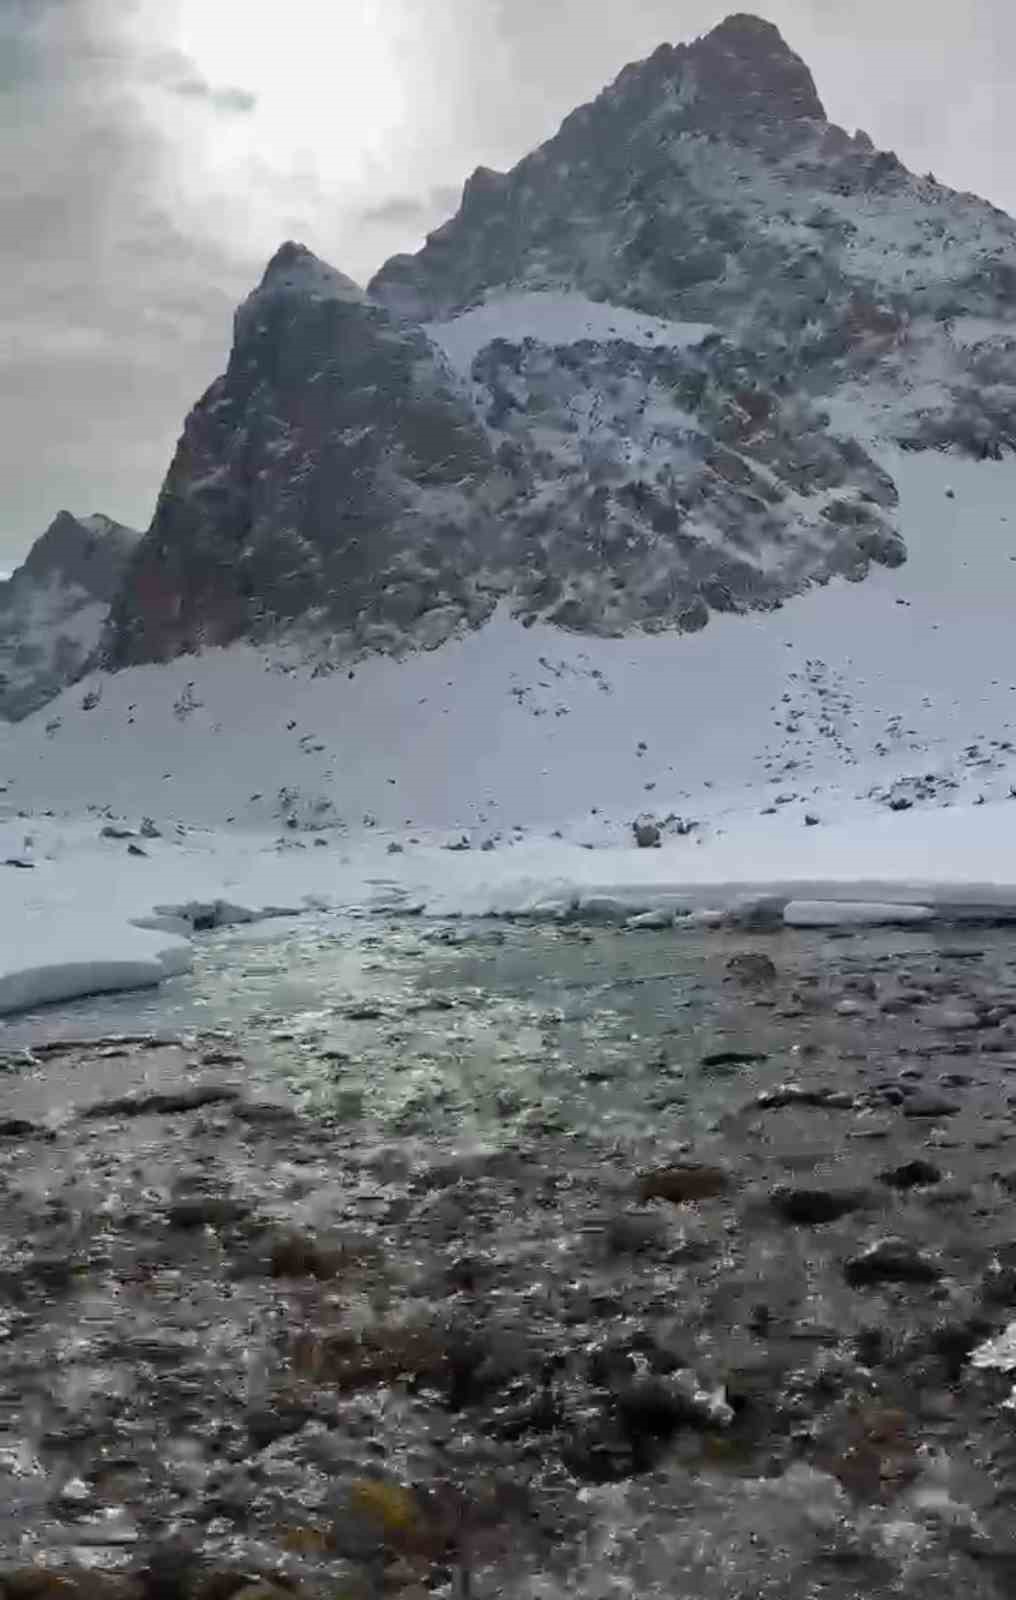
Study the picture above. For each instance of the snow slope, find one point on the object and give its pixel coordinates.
(899, 689)
(845, 688)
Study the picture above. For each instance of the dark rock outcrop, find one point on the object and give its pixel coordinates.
(54, 606)
(325, 477)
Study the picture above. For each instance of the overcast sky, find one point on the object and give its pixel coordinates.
(153, 153)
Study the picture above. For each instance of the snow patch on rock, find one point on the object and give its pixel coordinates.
(554, 317)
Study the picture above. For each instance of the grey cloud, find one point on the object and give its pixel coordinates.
(174, 72)
(401, 208)
(414, 211)
(111, 320)
(226, 99)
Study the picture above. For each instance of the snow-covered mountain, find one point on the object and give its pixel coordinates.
(437, 560)
(54, 607)
(708, 184)
(634, 382)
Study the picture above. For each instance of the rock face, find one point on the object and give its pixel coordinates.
(707, 183)
(631, 383)
(53, 608)
(331, 475)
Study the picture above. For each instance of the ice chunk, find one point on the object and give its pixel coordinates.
(86, 957)
(852, 913)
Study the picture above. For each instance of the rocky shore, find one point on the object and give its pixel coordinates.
(695, 1280)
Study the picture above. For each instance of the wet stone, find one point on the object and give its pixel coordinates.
(953, 1019)
(267, 1424)
(162, 1104)
(911, 1175)
(632, 1232)
(926, 1103)
(296, 1255)
(751, 968)
(891, 1260)
(656, 1406)
(733, 1058)
(796, 1094)
(19, 1128)
(814, 1206)
(207, 1211)
(681, 1185)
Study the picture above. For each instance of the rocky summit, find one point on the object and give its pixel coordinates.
(639, 379)
(53, 608)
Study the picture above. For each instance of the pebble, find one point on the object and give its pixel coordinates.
(680, 1185)
(891, 1260)
(911, 1175)
(925, 1103)
(815, 1206)
(954, 1020)
(796, 1094)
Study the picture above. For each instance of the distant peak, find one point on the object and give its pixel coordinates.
(298, 270)
(88, 551)
(68, 530)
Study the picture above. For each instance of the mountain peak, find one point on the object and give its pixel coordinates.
(88, 551)
(743, 28)
(295, 269)
(295, 277)
(746, 63)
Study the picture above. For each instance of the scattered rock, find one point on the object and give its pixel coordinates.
(891, 1260)
(148, 829)
(20, 862)
(113, 831)
(136, 850)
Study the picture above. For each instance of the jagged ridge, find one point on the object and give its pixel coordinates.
(352, 475)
